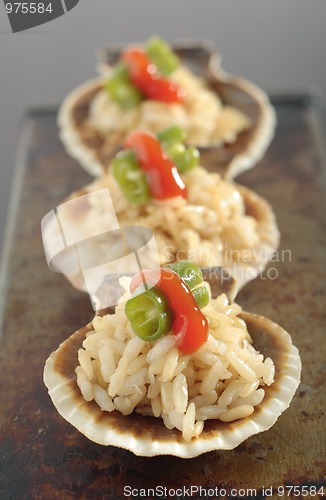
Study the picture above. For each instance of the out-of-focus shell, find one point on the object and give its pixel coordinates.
(147, 436)
(258, 208)
(243, 271)
(229, 159)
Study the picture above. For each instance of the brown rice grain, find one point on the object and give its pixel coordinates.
(154, 389)
(180, 393)
(123, 405)
(211, 379)
(199, 426)
(190, 373)
(243, 369)
(85, 362)
(137, 397)
(137, 364)
(98, 374)
(133, 348)
(156, 406)
(209, 412)
(167, 396)
(166, 421)
(231, 392)
(117, 346)
(188, 424)
(132, 383)
(84, 384)
(182, 363)
(254, 399)
(157, 366)
(208, 358)
(103, 399)
(204, 399)
(248, 388)
(170, 364)
(269, 373)
(176, 419)
(216, 346)
(160, 348)
(193, 390)
(107, 363)
(236, 413)
(117, 378)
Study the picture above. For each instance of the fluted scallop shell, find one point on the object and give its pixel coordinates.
(147, 436)
(243, 271)
(262, 212)
(230, 160)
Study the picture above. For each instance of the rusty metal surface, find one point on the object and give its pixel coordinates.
(41, 455)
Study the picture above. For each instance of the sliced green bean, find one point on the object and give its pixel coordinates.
(131, 179)
(172, 134)
(184, 158)
(201, 296)
(190, 273)
(121, 90)
(192, 276)
(162, 55)
(149, 314)
(189, 160)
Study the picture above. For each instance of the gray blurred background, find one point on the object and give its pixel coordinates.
(280, 45)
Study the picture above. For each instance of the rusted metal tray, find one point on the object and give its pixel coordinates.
(41, 455)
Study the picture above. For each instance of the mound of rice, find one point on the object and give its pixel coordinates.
(210, 228)
(202, 114)
(223, 380)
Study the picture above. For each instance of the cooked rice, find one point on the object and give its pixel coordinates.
(210, 228)
(156, 379)
(202, 114)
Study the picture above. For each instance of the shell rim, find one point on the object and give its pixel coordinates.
(231, 438)
(261, 254)
(241, 162)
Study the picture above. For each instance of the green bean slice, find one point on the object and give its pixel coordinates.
(189, 160)
(185, 159)
(130, 178)
(149, 314)
(121, 90)
(192, 276)
(162, 55)
(190, 273)
(201, 296)
(171, 135)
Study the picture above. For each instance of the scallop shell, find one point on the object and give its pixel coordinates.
(230, 160)
(262, 212)
(243, 272)
(147, 436)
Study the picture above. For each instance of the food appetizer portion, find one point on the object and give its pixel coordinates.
(156, 181)
(172, 370)
(151, 87)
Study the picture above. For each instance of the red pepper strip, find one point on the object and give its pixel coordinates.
(163, 176)
(189, 324)
(144, 75)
